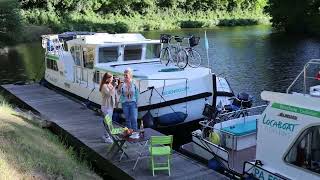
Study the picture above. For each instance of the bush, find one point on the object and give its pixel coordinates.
(160, 15)
(191, 24)
(237, 22)
(10, 20)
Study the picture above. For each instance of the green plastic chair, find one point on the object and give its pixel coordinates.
(112, 130)
(160, 146)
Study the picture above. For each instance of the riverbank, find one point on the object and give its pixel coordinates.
(29, 152)
(157, 20)
(24, 21)
(42, 22)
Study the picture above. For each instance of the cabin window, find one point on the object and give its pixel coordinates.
(153, 51)
(305, 152)
(65, 45)
(108, 54)
(132, 52)
(96, 77)
(75, 52)
(88, 57)
(52, 64)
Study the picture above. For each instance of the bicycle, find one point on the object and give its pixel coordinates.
(173, 52)
(194, 57)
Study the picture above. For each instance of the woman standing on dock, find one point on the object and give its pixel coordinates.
(107, 90)
(129, 98)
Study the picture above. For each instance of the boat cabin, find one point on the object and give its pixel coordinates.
(288, 143)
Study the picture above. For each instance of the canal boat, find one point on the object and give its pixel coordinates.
(76, 62)
(282, 142)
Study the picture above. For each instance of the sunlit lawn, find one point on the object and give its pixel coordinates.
(30, 152)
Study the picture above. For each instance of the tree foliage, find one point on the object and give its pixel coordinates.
(297, 16)
(136, 14)
(10, 19)
(128, 7)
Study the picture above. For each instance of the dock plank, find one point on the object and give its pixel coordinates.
(87, 127)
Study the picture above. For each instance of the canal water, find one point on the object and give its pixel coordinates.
(252, 58)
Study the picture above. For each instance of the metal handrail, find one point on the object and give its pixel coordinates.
(305, 77)
(164, 84)
(206, 123)
(205, 143)
(164, 81)
(243, 109)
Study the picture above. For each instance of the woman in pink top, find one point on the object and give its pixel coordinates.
(107, 90)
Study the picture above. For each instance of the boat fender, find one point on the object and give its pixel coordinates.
(214, 138)
(214, 164)
(172, 118)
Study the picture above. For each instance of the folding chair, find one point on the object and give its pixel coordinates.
(113, 133)
(160, 146)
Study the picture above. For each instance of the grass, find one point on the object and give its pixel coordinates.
(29, 152)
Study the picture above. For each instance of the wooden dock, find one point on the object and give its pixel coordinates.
(83, 128)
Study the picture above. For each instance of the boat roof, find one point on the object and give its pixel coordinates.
(106, 38)
(295, 100)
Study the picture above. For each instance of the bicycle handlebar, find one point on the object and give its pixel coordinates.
(181, 38)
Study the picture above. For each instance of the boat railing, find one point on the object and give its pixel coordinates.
(241, 114)
(215, 149)
(164, 80)
(220, 149)
(164, 85)
(55, 46)
(304, 72)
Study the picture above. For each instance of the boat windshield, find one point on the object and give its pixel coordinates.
(108, 54)
(132, 52)
(305, 152)
(153, 51)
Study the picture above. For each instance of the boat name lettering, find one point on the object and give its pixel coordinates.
(175, 91)
(278, 124)
(295, 109)
(289, 116)
(264, 175)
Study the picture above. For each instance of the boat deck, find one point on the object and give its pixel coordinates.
(82, 128)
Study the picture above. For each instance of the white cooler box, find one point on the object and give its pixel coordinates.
(240, 136)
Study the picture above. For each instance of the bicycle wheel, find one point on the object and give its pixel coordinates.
(164, 56)
(194, 58)
(182, 59)
(174, 54)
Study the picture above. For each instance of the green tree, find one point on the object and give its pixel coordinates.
(10, 20)
(297, 16)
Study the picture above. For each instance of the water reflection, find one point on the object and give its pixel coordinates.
(23, 62)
